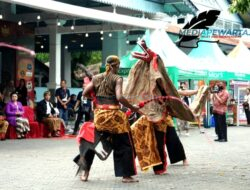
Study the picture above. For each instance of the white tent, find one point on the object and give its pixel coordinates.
(170, 54)
(240, 56)
(210, 57)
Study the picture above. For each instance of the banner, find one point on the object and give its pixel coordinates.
(25, 69)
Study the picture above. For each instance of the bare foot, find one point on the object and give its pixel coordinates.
(129, 180)
(84, 176)
(185, 162)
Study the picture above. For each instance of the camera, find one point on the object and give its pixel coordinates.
(216, 89)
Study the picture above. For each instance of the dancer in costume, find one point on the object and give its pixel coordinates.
(175, 148)
(109, 119)
(148, 80)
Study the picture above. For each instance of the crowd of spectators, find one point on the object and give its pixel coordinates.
(13, 99)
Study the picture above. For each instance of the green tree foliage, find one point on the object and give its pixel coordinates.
(87, 57)
(43, 57)
(240, 6)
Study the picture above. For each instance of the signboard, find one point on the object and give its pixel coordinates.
(216, 75)
(25, 68)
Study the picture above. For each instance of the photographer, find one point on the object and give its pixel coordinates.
(246, 104)
(219, 97)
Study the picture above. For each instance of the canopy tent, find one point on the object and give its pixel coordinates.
(218, 65)
(210, 57)
(240, 57)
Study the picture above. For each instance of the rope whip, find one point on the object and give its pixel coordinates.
(164, 98)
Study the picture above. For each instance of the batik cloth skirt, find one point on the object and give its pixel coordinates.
(22, 125)
(54, 124)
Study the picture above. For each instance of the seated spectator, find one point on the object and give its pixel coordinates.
(3, 127)
(47, 114)
(14, 112)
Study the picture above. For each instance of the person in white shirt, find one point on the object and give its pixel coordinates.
(46, 113)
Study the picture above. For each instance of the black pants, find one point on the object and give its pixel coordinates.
(123, 153)
(220, 126)
(90, 155)
(88, 160)
(124, 163)
(79, 119)
(247, 112)
(160, 138)
(175, 148)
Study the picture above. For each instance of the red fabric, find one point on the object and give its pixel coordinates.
(29, 113)
(128, 112)
(11, 133)
(155, 63)
(35, 131)
(62, 130)
(141, 104)
(44, 130)
(87, 132)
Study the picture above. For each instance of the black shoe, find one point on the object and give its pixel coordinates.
(216, 139)
(222, 140)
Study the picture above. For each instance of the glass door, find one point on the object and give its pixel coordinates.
(241, 117)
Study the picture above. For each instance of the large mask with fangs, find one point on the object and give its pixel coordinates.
(148, 80)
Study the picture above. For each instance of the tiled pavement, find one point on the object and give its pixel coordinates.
(43, 164)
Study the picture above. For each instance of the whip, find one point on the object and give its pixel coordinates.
(164, 98)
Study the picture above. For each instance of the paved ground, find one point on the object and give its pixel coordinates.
(47, 164)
